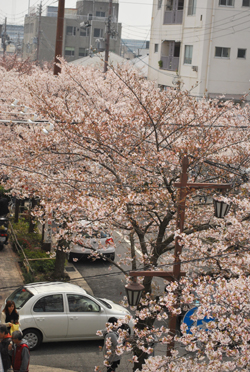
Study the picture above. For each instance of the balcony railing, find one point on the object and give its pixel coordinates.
(170, 63)
(173, 17)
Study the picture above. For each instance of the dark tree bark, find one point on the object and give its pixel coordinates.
(17, 204)
(31, 224)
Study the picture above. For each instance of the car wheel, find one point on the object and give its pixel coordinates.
(33, 338)
(70, 257)
(112, 256)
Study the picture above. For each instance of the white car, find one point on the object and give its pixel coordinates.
(91, 241)
(56, 311)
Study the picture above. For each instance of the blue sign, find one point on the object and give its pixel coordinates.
(201, 323)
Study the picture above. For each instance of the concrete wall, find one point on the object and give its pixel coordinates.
(210, 27)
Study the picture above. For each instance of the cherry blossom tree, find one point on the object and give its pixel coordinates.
(108, 149)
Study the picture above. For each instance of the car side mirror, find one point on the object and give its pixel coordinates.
(101, 309)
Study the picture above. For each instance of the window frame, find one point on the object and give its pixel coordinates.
(73, 33)
(233, 2)
(221, 56)
(187, 58)
(44, 305)
(101, 16)
(191, 7)
(84, 31)
(246, 5)
(82, 55)
(156, 48)
(101, 32)
(244, 55)
(78, 307)
(69, 49)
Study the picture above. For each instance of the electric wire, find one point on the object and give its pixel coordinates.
(97, 276)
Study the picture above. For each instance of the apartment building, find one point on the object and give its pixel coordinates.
(202, 46)
(85, 30)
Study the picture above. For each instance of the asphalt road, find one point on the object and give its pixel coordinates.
(83, 356)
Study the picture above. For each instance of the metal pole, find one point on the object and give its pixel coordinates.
(4, 37)
(178, 248)
(59, 35)
(107, 38)
(39, 32)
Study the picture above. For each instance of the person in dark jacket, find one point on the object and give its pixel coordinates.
(111, 344)
(20, 353)
(5, 340)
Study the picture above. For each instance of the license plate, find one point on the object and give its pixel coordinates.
(2, 239)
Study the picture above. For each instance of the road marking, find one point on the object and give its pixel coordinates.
(128, 241)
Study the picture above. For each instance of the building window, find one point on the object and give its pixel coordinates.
(83, 52)
(100, 14)
(159, 4)
(84, 31)
(70, 31)
(188, 54)
(98, 32)
(226, 2)
(192, 7)
(246, 3)
(222, 52)
(180, 5)
(156, 48)
(241, 53)
(69, 51)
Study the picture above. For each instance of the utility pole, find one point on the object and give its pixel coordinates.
(107, 38)
(59, 35)
(39, 31)
(185, 188)
(4, 37)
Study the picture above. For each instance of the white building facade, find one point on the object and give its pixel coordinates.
(202, 46)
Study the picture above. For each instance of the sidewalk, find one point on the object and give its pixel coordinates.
(11, 278)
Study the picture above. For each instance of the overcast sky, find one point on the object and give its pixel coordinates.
(135, 16)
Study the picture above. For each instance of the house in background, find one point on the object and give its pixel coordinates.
(14, 38)
(201, 46)
(131, 48)
(85, 30)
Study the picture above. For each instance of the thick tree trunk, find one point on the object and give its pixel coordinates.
(17, 204)
(31, 224)
(141, 356)
(59, 264)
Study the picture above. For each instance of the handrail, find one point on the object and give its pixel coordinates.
(26, 261)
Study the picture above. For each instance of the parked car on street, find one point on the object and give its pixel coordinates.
(90, 241)
(57, 311)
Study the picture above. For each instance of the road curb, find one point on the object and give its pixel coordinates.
(76, 278)
(34, 368)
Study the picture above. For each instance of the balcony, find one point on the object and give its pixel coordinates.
(173, 17)
(170, 63)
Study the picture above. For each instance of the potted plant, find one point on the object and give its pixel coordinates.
(160, 63)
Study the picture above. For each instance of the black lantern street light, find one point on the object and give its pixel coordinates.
(220, 208)
(134, 291)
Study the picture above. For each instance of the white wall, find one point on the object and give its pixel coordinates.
(211, 26)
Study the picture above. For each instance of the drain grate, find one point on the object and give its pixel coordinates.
(70, 268)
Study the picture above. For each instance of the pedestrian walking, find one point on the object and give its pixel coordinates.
(9, 315)
(111, 344)
(19, 352)
(5, 340)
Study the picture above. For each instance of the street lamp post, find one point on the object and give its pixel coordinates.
(185, 187)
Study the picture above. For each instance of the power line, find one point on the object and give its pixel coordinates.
(97, 276)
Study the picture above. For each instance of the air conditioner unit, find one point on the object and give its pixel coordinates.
(195, 68)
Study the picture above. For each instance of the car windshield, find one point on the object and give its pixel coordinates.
(20, 296)
(105, 303)
(96, 234)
